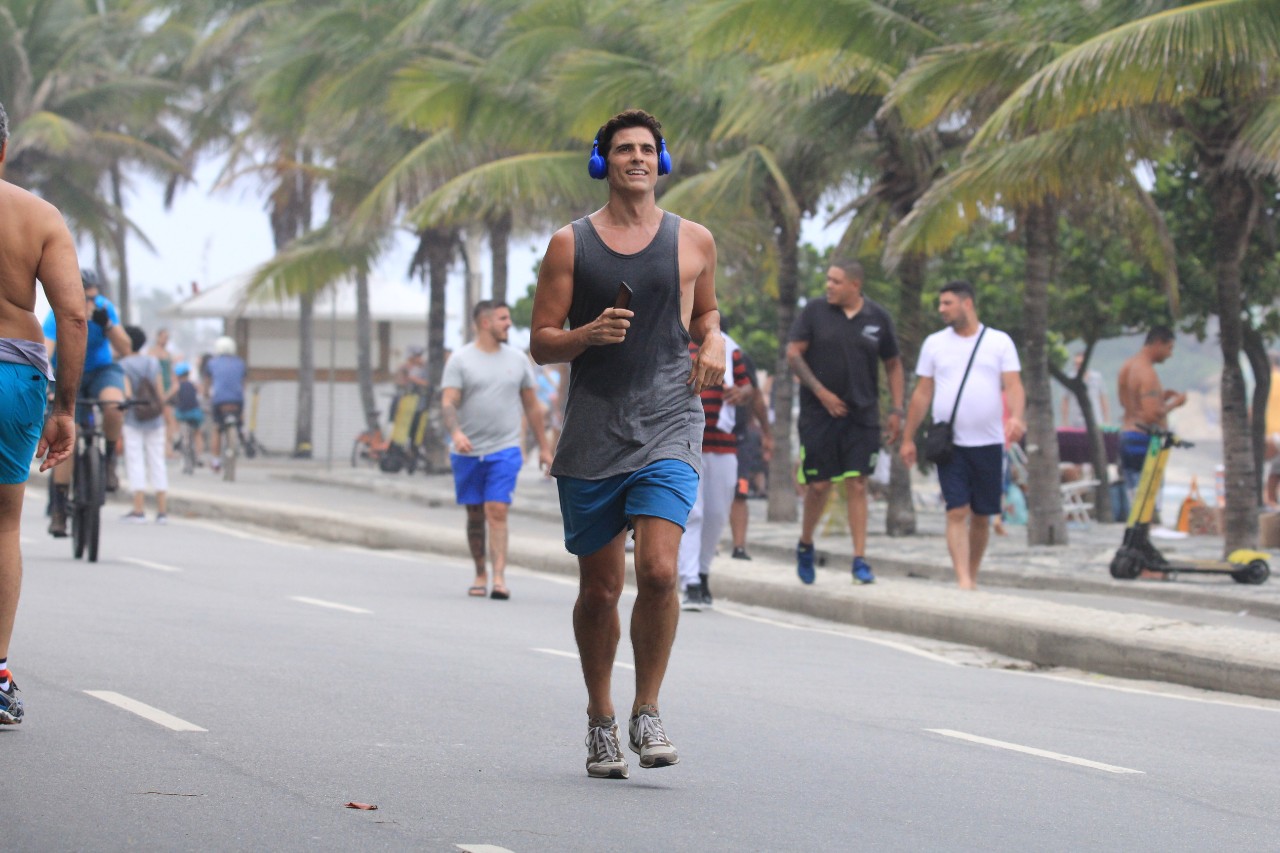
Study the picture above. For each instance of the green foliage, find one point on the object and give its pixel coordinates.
(749, 302)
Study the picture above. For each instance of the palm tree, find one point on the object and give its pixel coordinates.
(1204, 74)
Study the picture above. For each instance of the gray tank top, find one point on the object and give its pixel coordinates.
(629, 405)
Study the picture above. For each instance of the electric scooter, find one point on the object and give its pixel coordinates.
(1137, 554)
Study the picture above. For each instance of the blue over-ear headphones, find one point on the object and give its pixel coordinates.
(599, 169)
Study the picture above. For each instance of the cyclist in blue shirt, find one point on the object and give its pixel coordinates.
(224, 386)
(102, 379)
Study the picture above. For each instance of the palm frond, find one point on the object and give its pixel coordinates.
(1258, 148)
(537, 182)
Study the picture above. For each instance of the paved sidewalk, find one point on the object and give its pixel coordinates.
(915, 593)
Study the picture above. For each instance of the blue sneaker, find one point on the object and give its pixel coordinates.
(804, 562)
(862, 571)
(10, 705)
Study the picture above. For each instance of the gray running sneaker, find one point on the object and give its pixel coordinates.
(649, 740)
(693, 599)
(604, 749)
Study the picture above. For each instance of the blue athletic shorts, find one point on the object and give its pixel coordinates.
(973, 478)
(595, 511)
(195, 416)
(22, 402)
(92, 383)
(486, 479)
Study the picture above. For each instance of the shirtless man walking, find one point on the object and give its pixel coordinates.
(1145, 402)
(629, 454)
(35, 245)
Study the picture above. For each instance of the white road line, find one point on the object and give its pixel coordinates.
(252, 537)
(1247, 703)
(147, 564)
(155, 715)
(892, 644)
(561, 654)
(481, 848)
(332, 605)
(1031, 750)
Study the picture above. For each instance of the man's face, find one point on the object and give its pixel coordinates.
(842, 288)
(498, 324)
(1162, 352)
(951, 307)
(633, 158)
(90, 294)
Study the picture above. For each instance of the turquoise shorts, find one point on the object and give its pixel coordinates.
(22, 405)
(595, 511)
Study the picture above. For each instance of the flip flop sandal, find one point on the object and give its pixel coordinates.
(476, 591)
(500, 594)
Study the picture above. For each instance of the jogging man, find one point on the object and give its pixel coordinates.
(102, 379)
(224, 386)
(35, 245)
(972, 482)
(835, 350)
(484, 388)
(628, 456)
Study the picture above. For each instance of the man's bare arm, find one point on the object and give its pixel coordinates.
(704, 320)
(533, 411)
(800, 367)
(1016, 397)
(59, 274)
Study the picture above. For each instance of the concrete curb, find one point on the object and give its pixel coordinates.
(1045, 633)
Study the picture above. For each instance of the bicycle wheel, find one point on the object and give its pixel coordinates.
(230, 450)
(75, 501)
(95, 492)
(188, 448)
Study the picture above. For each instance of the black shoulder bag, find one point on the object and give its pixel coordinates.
(939, 444)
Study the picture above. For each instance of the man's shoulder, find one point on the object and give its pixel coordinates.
(878, 311)
(26, 202)
(695, 232)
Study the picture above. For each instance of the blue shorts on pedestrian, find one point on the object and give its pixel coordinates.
(195, 416)
(973, 478)
(595, 511)
(486, 479)
(22, 404)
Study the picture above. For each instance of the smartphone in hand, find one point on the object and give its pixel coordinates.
(623, 299)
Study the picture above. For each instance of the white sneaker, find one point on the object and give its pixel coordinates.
(604, 749)
(162, 518)
(649, 740)
(134, 518)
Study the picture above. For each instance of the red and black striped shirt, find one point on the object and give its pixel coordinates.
(714, 439)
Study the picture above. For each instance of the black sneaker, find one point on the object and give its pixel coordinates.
(692, 597)
(706, 591)
(58, 523)
(741, 554)
(10, 705)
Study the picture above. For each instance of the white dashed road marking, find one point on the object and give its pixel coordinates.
(561, 654)
(332, 605)
(1030, 750)
(147, 564)
(155, 715)
(481, 848)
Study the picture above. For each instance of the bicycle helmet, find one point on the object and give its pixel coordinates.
(224, 346)
(90, 279)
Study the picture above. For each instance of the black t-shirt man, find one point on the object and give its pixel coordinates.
(844, 354)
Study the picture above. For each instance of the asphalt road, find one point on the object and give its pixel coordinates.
(281, 679)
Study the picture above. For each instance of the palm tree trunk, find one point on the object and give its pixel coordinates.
(499, 250)
(1045, 522)
(900, 517)
(782, 478)
(119, 234)
(1078, 388)
(306, 375)
(364, 351)
(1234, 206)
(437, 249)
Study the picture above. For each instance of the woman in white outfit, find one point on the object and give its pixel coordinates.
(144, 440)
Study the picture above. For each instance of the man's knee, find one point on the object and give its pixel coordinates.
(495, 513)
(819, 488)
(597, 591)
(856, 486)
(958, 515)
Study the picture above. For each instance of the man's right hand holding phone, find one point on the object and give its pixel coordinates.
(612, 324)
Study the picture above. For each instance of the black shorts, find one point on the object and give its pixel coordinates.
(834, 449)
(974, 478)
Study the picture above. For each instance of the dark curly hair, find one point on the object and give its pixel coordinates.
(629, 118)
(4, 124)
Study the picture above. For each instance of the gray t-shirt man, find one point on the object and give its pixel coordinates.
(490, 384)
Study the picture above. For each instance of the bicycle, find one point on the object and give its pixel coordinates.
(188, 439)
(230, 439)
(89, 480)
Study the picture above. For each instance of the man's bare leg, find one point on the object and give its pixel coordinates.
(958, 545)
(738, 518)
(855, 490)
(10, 560)
(596, 626)
(475, 540)
(657, 607)
(815, 501)
(495, 515)
(979, 535)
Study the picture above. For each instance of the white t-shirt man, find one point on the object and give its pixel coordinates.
(979, 421)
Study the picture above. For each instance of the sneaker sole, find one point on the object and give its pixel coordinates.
(7, 719)
(611, 773)
(655, 760)
(692, 608)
